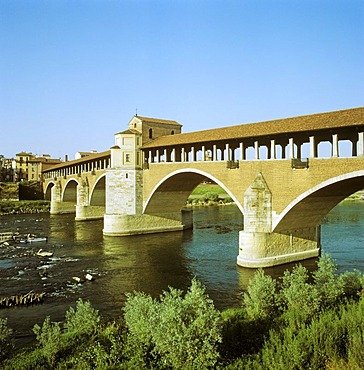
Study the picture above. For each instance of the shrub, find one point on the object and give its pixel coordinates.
(49, 339)
(210, 197)
(299, 300)
(6, 342)
(352, 284)
(329, 288)
(82, 320)
(259, 299)
(176, 332)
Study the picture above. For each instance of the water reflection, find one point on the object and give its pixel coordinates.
(148, 263)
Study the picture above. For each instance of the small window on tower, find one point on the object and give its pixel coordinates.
(150, 133)
(127, 158)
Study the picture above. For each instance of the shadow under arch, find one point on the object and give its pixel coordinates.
(312, 206)
(48, 190)
(70, 191)
(171, 193)
(98, 192)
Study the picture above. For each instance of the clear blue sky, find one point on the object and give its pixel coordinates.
(72, 73)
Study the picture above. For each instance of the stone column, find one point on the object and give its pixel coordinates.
(291, 148)
(256, 148)
(313, 147)
(173, 155)
(183, 155)
(192, 153)
(214, 153)
(203, 153)
(227, 152)
(242, 151)
(360, 144)
(272, 149)
(335, 146)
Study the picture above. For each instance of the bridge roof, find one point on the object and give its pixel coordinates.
(308, 123)
(88, 158)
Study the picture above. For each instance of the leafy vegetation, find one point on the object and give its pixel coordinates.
(296, 322)
(24, 206)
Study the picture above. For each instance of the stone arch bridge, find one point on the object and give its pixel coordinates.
(284, 175)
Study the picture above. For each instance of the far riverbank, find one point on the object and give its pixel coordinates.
(14, 207)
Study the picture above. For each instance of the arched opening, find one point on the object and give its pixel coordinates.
(98, 193)
(48, 192)
(70, 192)
(171, 193)
(311, 207)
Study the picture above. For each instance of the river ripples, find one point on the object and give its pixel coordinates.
(149, 263)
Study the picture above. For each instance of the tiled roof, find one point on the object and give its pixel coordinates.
(308, 123)
(158, 120)
(130, 131)
(86, 159)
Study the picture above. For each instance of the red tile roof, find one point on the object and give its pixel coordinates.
(307, 123)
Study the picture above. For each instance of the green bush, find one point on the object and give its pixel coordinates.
(6, 342)
(260, 297)
(327, 284)
(82, 320)
(298, 300)
(352, 284)
(174, 332)
(210, 197)
(49, 339)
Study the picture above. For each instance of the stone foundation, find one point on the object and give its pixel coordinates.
(260, 249)
(85, 213)
(58, 208)
(122, 225)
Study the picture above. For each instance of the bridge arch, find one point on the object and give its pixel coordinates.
(48, 190)
(314, 204)
(98, 193)
(172, 191)
(70, 191)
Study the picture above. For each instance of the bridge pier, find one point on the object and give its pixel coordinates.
(122, 225)
(84, 211)
(258, 245)
(124, 199)
(260, 249)
(57, 206)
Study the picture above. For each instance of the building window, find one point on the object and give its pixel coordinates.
(150, 133)
(172, 132)
(127, 158)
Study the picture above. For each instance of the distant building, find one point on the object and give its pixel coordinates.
(80, 155)
(37, 165)
(22, 159)
(7, 169)
(27, 167)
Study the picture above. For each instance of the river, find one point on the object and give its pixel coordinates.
(148, 263)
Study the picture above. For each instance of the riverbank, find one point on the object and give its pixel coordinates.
(11, 207)
(300, 323)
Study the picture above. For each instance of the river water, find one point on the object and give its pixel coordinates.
(148, 263)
